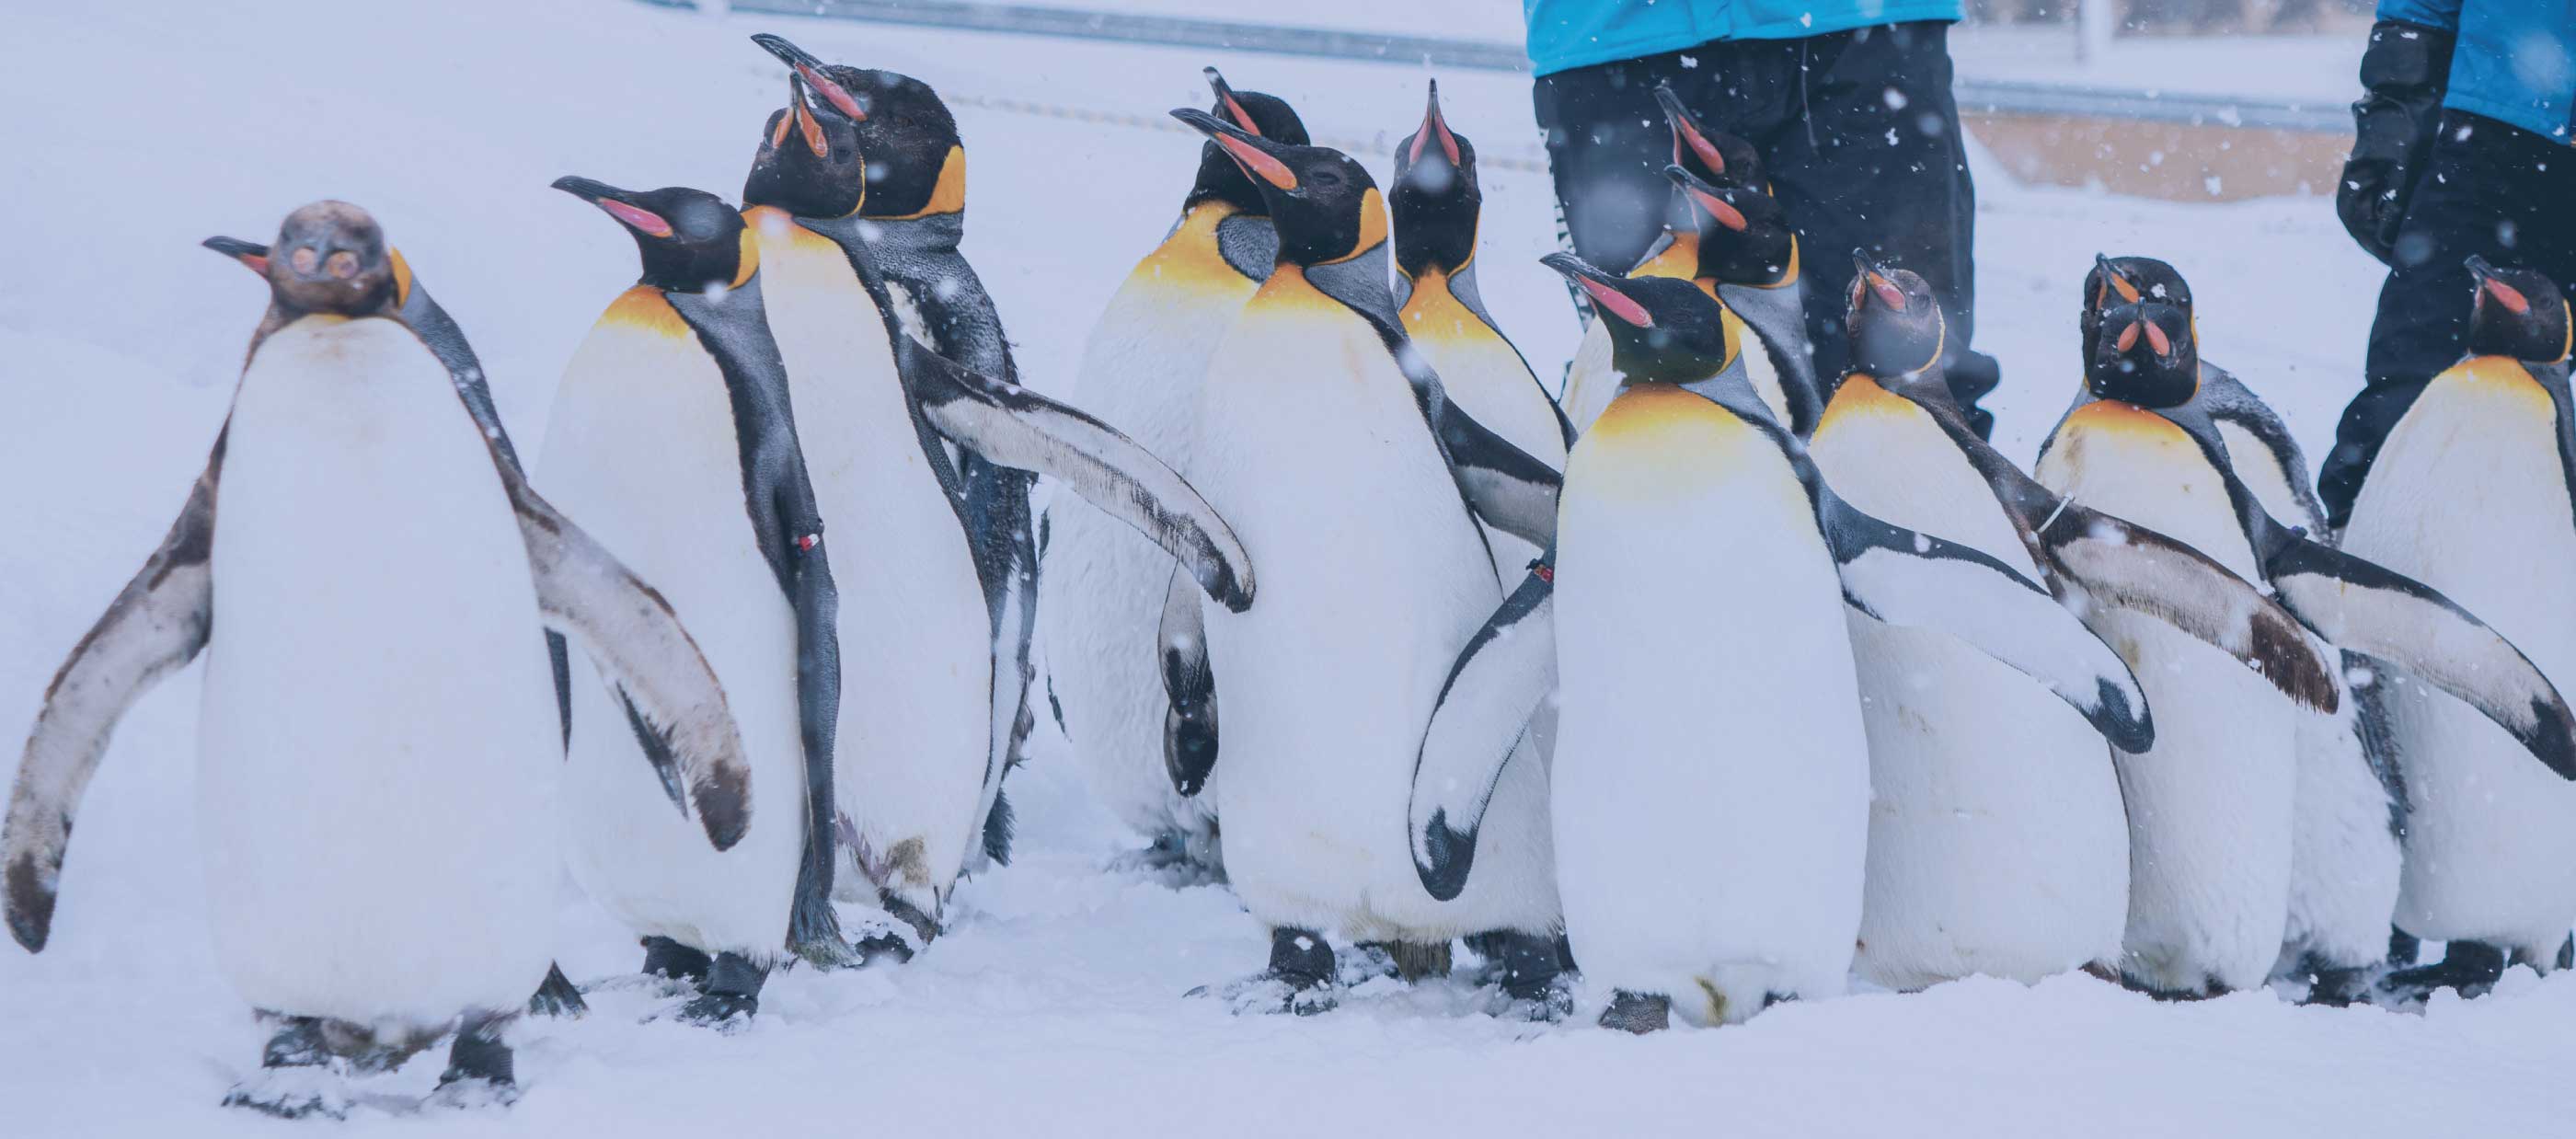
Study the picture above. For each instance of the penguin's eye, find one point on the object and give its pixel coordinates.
(1326, 179)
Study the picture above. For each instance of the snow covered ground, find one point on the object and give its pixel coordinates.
(1055, 1007)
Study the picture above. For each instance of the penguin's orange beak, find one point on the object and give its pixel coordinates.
(2112, 281)
(1709, 199)
(2508, 296)
(806, 124)
(1249, 151)
(1434, 126)
(1688, 139)
(1602, 287)
(810, 69)
(1234, 109)
(610, 199)
(250, 254)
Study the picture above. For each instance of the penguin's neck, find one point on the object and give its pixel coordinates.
(1359, 282)
(922, 235)
(1459, 283)
(1732, 389)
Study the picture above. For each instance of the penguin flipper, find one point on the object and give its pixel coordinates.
(2365, 607)
(639, 644)
(1500, 678)
(2124, 565)
(1903, 577)
(1511, 490)
(1189, 724)
(157, 623)
(1015, 427)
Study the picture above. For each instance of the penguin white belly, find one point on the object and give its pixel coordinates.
(377, 741)
(2211, 804)
(1372, 580)
(1100, 597)
(2468, 497)
(1711, 777)
(1591, 382)
(2343, 854)
(1997, 839)
(1486, 376)
(916, 638)
(641, 449)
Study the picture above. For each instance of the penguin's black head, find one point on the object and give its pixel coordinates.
(1744, 236)
(1435, 200)
(1896, 328)
(1265, 115)
(2114, 281)
(331, 257)
(1662, 329)
(691, 240)
(916, 164)
(2518, 313)
(1709, 155)
(808, 163)
(2144, 355)
(1322, 201)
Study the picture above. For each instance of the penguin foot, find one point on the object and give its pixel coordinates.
(300, 1091)
(1266, 994)
(732, 994)
(1638, 1013)
(2330, 987)
(1170, 861)
(472, 1094)
(2469, 968)
(1300, 978)
(673, 961)
(557, 996)
(2403, 947)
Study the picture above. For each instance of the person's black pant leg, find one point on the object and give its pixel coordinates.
(1870, 157)
(2492, 190)
(1607, 146)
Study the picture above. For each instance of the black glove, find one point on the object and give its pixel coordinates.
(2405, 72)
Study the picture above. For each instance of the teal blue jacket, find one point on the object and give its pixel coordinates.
(2515, 63)
(1578, 33)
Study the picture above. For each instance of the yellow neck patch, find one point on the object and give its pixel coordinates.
(2125, 420)
(1372, 226)
(1790, 276)
(1678, 260)
(749, 257)
(2501, 376)
(402, 278)
(1190, 260)
(644, 307)
(1859, 397)
(948, 195)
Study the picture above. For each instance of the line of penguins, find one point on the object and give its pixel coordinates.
(1834, 688)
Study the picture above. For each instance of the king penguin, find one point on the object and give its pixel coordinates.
(2472, 494)
(1716, 740)
(1376, 572)
(1726, 232)
(1101, 598)
(881, 412)
(914, 216)
(672, 432)
(379, 865)
(557, 996)
(1434, 205)
(2349, 806)
(1997, 840)
(2211, 848)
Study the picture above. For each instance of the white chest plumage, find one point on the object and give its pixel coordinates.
(1486, 376)
(1100, 596)
(2211, 804)
(641, 448)
(1997, 840)
(376, 720)
(2468, 496)
(916, 638)
(1373, 577)
(1711, 775)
